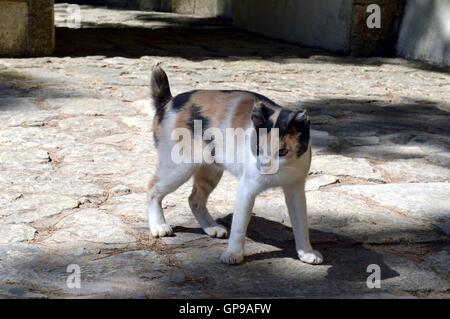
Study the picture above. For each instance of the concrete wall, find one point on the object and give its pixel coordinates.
(13, 35)
(26, 27)
(425, 31)
(319, 23)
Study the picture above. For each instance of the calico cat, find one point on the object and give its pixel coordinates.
(289, 129)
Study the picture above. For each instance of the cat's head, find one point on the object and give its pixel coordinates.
(283, 136)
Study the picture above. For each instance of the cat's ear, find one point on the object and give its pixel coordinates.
(298, 122)
(261, 114)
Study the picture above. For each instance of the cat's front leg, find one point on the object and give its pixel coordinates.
(296, 204)
(245, 199)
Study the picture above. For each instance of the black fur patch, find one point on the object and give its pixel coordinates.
(303, 135)
(160, 88)
(212, 146)
(258, 96)
(268, 125)
(160, 91)
(264, 99)
(196, 115)
(283, 120)
(181, 99)
(303, 138)
(263, 113)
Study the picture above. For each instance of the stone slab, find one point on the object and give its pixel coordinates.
(424, 201)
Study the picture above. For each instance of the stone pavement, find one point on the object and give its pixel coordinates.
(76, 153)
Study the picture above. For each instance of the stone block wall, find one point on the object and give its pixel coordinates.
(26, 27)
(365, 41)
(337, 25)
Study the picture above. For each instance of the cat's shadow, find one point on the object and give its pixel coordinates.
(348, 259)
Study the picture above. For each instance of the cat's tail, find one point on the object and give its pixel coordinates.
(160, 89)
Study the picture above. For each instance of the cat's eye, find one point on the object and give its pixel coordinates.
(282, 152)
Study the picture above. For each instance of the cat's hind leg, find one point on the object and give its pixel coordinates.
(166, 180)
(206, 179)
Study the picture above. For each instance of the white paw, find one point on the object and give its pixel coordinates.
(312, 257)
(232, 258)
(216, 231)
(162, 230)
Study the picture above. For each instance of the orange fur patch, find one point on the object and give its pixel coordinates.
(291, 144)
(242, 113)
(183, 117)
(213, 105)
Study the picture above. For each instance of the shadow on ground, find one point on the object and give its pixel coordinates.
(279, 273)
(384, 131)
(189, 43)
(339, 251)
(15, 84)
(195, 39)
(193, 270)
